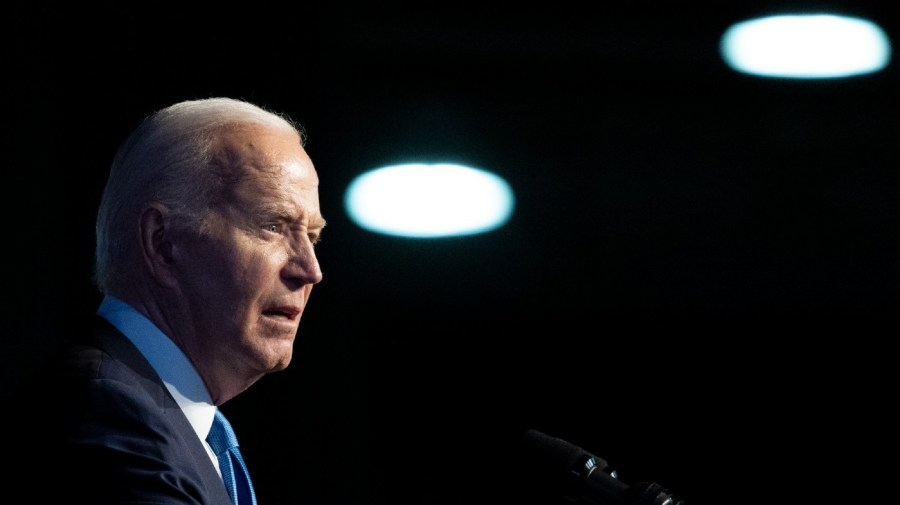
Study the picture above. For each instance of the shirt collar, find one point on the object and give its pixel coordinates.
(171, 364)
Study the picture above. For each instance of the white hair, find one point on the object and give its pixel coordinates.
(173, 158)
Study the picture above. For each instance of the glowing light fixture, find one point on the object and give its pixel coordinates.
(808, 46)
(422, 200)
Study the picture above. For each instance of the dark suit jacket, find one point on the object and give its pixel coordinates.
(114, 434)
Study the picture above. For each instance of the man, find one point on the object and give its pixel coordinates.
(205, 257)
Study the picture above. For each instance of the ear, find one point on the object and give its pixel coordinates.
(156, 235)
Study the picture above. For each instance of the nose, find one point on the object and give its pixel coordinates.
(302, 267)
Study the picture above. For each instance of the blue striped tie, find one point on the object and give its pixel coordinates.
(224, 444)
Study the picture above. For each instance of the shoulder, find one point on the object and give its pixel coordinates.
(101, 412)
(95, 367)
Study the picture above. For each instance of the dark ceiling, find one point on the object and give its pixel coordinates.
(695, 285)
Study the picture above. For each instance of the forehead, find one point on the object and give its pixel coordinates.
(272, 169)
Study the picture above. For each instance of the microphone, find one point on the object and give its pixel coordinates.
(579, 475)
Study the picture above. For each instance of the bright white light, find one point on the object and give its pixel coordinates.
(419, 200)
(806, 46)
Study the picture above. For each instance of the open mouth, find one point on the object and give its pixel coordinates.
(286, 313)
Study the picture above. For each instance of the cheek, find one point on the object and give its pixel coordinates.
(261, 268)
(207, 271)
(227, 272)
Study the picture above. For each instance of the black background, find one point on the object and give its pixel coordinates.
(698, 284)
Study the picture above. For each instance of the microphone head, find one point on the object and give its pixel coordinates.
(559, 468)
(554, 453)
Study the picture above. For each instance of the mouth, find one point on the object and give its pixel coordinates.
(285, 313)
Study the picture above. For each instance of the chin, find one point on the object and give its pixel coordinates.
(272, 354)
(280, 359)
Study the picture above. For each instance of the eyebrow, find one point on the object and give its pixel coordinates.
(287, 213)
(317, 223)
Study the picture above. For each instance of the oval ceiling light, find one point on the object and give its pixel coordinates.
(429, 200)
(808, 46)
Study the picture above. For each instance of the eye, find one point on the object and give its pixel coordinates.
(315, 238)
(274, 228)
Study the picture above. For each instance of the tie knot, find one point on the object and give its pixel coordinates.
(221, 437)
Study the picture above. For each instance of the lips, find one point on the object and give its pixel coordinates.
(287, 312)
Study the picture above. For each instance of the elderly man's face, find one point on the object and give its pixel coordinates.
(251, 272)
